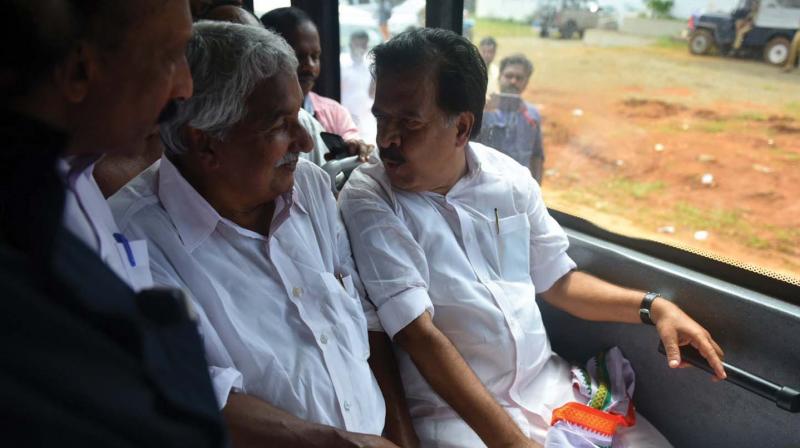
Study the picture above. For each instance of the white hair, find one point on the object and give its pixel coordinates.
(227, 60)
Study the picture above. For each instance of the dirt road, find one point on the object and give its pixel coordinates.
(647, 140)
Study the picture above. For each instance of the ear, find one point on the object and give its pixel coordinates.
(202, 147)
(76, 72)
(464, 123)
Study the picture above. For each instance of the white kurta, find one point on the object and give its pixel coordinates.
(277, 322)
(475, 258)
(87, 215)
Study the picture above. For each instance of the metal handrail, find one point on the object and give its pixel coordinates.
(784, 397)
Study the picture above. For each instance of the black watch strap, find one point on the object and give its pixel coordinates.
(644, 308)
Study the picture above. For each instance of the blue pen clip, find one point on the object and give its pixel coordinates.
(127, 245)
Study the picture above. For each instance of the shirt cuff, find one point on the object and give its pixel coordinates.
(225, 381)
(544, 277)
(400, 310)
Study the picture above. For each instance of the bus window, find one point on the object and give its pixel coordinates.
(646, 139)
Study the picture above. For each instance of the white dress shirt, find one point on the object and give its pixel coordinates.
(475, 259)
(87, 216)
(281, 315)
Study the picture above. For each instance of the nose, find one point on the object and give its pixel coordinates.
(182, 84)
(302, 139)
(388, 134)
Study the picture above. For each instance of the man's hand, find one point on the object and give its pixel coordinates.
(676, 328)
(360, 148)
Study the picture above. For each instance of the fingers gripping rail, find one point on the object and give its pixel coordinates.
(784, 397)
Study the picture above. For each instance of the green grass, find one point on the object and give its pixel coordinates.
(632, 188)
(793, 108)
(623, 197)
(752, 116)
(713, 126)
(501, 28)
(670, 43)
(728, 221)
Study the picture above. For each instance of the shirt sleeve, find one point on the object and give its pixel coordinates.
(393, 267)
(549, 243)
(225, 378)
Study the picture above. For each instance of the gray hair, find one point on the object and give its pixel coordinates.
(227, 60)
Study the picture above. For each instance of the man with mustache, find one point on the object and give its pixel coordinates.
(299, 30)
(510, 124)
(251, 231)
(86, 360)
(453, 242)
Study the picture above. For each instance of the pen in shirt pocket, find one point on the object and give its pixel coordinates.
(340, 277)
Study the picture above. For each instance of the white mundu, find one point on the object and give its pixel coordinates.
(474, 258)
(280, 315)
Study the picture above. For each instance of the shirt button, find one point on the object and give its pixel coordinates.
(346, 406)
(297, 292)
(323, 339)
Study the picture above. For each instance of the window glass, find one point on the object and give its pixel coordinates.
(263, 6)
(653, 126)
(362, 25)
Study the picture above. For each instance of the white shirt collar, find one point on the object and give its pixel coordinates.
(194, 218)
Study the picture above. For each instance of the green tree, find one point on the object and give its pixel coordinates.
(660, 9)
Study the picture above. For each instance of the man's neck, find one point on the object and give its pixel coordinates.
(453, 175)
(254, 218)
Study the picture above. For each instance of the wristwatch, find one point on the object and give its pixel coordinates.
(644, 308)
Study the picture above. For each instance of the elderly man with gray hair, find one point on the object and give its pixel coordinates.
(251, 231)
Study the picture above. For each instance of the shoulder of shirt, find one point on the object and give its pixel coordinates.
(136, 196)
(309, 176)
(496, 163)
(369, 179)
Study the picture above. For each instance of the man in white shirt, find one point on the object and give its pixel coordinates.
(119, 128)
(453, 241)
(251, 231)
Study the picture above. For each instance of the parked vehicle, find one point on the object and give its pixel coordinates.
(774, 25)
(568, 17)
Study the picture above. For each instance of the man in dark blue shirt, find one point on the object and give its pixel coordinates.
(85, 360)
(510, 124)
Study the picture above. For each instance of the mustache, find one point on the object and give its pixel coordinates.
(392, 154)
(168, 113)
(289, 157)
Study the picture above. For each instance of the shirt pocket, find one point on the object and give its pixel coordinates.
(348, 319)
(137, 263)
(513, 238)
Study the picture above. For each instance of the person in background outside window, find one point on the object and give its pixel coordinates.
(488, 50)
(384, 14)
(358, 88)
(745, 21)
(510, 124)
(300, 32)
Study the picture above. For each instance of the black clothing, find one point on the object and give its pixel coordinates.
(84, 361)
